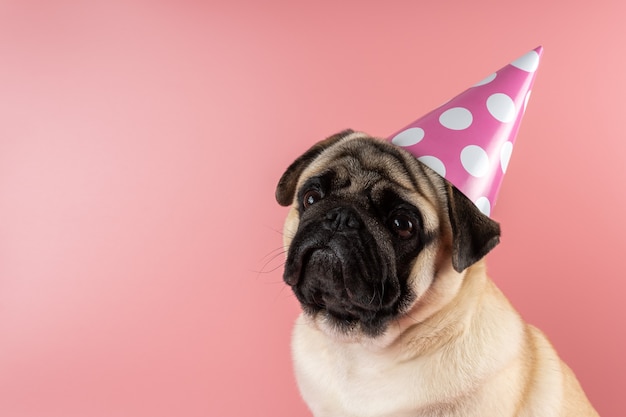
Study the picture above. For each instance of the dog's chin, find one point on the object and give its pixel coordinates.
(354, 333)
(333, 327)
(345, 327)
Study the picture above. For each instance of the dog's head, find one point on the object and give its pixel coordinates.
(369, 232)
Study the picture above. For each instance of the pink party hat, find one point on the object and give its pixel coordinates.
(469, 139)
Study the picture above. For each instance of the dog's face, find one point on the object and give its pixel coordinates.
(369, 231)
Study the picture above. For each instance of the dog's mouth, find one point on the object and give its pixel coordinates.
(345, 287)
(325, 288)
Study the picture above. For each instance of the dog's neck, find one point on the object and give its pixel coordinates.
(438, 316)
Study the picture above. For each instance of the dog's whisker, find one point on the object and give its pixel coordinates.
(372, 299)
(265, 270)
(277, 255)
(272, 253)
(273, 229)
(282, 293)
(269, 271)
(269, 258)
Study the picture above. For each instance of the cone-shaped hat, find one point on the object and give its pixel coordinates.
(469, 139)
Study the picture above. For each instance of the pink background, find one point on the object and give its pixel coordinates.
(140, 143)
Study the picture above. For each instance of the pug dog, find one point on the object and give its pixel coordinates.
(399, 317)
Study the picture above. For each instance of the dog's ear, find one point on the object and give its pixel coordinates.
(473, 233)
(286, 188)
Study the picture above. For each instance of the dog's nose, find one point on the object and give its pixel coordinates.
(341, 218)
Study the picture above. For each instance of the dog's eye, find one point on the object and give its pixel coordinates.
(402, 226)
(311, 197)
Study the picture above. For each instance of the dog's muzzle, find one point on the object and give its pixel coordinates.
(335, 265)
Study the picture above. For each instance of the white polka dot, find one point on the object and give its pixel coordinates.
(483, 205)
(528, 62)
(456, 118)
(501, 107)
(409, 137)
(505, 155)
(526, 99)
(486, 80)
(433, 163)
(475, 160)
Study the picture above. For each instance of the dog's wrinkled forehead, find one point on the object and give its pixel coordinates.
(362, 163)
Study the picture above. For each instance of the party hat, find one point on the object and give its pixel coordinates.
(469, 139)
